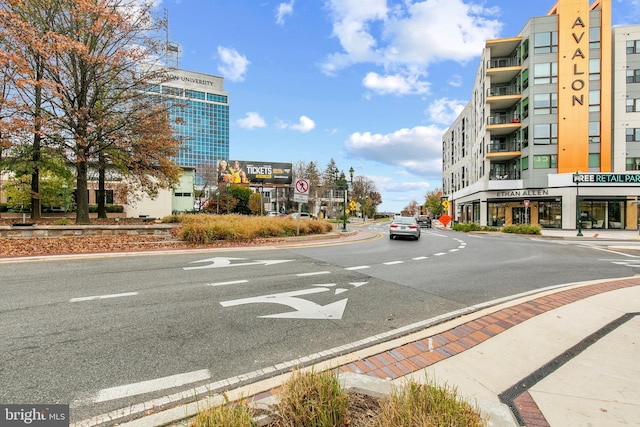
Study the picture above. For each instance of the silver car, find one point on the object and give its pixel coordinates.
(404, 226)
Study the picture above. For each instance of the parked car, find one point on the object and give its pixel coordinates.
(303, 215)
(424, 221)
(404, 226)
(272, 213)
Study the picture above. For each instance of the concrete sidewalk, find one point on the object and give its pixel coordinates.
(563, 356)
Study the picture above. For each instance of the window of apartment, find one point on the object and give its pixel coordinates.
(525, 49)
(525, 163)
(523, 136)
(594, 100)
(594, 69)
(633, 134)
(525, 108)
(633, 46)
(594, 160)
(633, 163)
(545, 134)
(633, 76)
(545, 73)
(525, 79)
(545, 103)
(633, 105)
(545, 161)
(594, 38)
(594, 131)
(545, 42)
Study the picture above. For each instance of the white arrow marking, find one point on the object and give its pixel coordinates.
(304, 309)
(219, 262)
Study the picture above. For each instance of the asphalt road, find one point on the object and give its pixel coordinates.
(111, 333)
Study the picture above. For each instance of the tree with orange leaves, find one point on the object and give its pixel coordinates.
(99, 58)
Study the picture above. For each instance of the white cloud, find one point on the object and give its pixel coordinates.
(251, 120)
(304, 125)
(394, 84)
(404, 40)
(417, 150)
(284, 9)
(234, 65)
(445, 110)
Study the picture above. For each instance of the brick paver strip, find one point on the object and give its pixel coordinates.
(411, 357)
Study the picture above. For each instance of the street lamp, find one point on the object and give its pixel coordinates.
(344, 185)
(64, 196)
(228, 185)
(576, 178)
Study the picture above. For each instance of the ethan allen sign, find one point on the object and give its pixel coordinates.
(604, 178)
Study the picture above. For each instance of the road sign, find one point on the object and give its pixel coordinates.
(352, 205)
(526, 203)
(301, 187)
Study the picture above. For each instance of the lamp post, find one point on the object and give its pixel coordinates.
(576, 178)
(342, 183)
(64, 196)
(228, 185)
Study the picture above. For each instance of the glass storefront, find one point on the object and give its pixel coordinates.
(602, 214)
(550, 214)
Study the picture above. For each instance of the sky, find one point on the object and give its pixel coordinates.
(371, 84)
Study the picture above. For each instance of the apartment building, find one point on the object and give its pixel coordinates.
(551, 136)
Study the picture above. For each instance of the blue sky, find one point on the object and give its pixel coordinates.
(372, 84)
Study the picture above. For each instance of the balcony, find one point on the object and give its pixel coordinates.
(503, 97)
(503, 70)
(503, 123)
(506, 176)
(503, 150)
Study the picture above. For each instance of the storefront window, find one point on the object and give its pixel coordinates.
(497, 214)
(550, 214)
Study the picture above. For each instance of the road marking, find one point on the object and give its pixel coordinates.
(233, 282)
(220, 262)
(126, 294)
(315, 273)
(440, 254)
(143, 387)
(359, 267)
(393, 262)
(304, 309)
(420, 258)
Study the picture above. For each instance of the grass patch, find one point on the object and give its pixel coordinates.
(203, 229)
(316, 399)
(427, 405)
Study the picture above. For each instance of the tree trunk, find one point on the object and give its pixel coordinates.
(82, 197)
(102, 209)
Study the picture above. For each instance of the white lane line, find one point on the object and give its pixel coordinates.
(454, 250)
(143, 387)
(126, 294)
(359, 267)
(315, 273)
(233, 282)
(393, 262)
(440, 254)
(420, 257)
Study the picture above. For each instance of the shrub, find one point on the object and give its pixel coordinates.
(522, 229)
(62, 221)
(3, 207)
(312, 399)
(228, 415)
(427, 405)
(107, 208)
(203, 228)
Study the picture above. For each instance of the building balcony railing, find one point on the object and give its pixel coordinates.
(501, 147)
(498, 176)
(504, 62)
(503, 119)
(504, 90)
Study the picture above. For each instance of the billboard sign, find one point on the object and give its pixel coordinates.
(249, 172)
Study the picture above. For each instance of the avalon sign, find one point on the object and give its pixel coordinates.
(619, 178)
